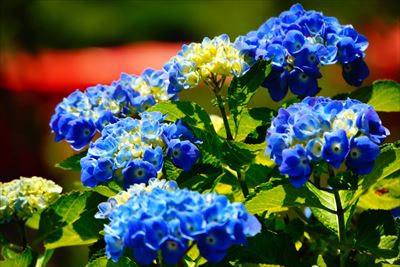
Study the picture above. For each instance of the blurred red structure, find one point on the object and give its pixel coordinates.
(32, 85)
(65, 70)
(383, 53)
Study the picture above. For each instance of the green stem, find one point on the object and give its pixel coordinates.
(243, 185)
(221, 107)
(341, 223)
(340, 215)
(241, 179)
(22, 232)
(216, 85)
(342, 228)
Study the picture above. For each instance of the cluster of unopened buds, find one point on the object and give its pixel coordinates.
(162, 218)
(203, 61)
(21, 198)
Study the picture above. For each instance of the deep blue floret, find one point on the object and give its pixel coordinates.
(296, 165)
(370, 124)
(362, 155)
(183, 153)
(336, 147)
(138, 171)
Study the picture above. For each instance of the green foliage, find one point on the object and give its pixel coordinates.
(189, 112)
(383, 95)
(13, 258)
(386, 170)
(33, 221)
(276, 248)
(104, 262)
(377, 233)
(44, 258)
(242, 89)
(281, 197)
(70, 221)
(250, 120)
(107, 191)
(72, 163)
(383, 194)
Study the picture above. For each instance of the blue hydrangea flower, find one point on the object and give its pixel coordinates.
(320, 129)
(395, 213)
(184, 153)
(296, 165)
(362, 154)
(336, 147)
(299, 42)
(132, 150)
(79, 116)
(161, 218)
(211, 58)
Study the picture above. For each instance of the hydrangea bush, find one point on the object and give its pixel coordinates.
(166, 184)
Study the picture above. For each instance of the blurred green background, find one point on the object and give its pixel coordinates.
(27, 25)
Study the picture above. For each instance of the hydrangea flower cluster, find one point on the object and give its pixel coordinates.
(298, 42)
(81, 114)
(199, 61)
(319, 129)
(22, 197)
(132, 150)
(166, 218)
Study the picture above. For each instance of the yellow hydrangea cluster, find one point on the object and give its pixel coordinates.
(22, 197)
(217, 56)
(201, 61)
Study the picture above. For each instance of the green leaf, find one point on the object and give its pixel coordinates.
(257, 174)
(210, 147)
(200, 178)
(249, 121)
(72, 163)
(330, 220)
(242, 89)
(237, 155)
(321, 261)
(14, 259)
(70, 220)
(200, 123)
(267, 247)
(105, 191)
(104, 262)
(33, 221)
(281, 197)
(189, 112)
(384, 194)
(383, 95)
(377, 233)
(172, 172)
(386, 165)
(44, 258)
